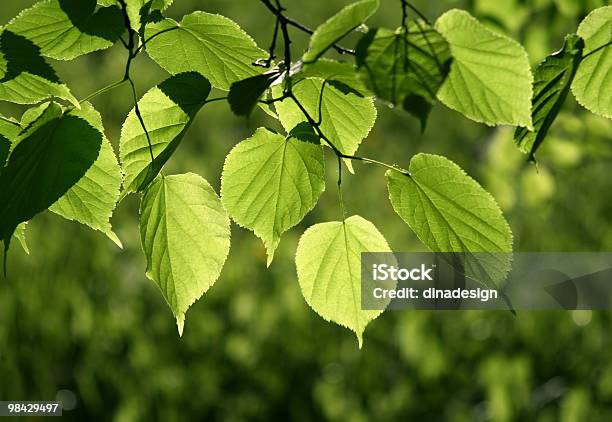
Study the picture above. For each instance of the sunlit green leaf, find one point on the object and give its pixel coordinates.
(167, 111)
(49, 158)
(139, 9)
(92, 200)
(594, 77)
(185, 235)
(490, 78)
(25, 77)
(212, 45)
(339, 25)
(346, 116)
(65, 29)
(405, 68)
(553, 79)
(450, 212)
(332, 70)
(270, 183)
(328, 261)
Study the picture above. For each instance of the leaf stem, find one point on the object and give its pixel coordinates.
(6, 119)
(103, 90)
(406, 3)
(142, 123)
(212, 100)
(340, 197)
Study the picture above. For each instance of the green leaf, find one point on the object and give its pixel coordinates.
(244, 95)
(332, 70)
(167, 111)
(212, 45)
(594, 77)
(338, 26)
(25, 77)
(65, 29)
(346, 116)
(270, 183)
(92, 200)
(8, 132)
(490, 78)
(20, 235)
(138, 11)
(450, 212)
(185, 235)
(553, 78)
(50, 157)
(405, 68)
(328, 261)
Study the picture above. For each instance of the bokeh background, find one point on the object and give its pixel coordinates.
(80, 322)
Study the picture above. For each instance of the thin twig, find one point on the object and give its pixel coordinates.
(303, 28)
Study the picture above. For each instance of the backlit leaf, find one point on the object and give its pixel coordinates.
(25, 77)
(92, 200)
(328, 261)
(167, 111)
(139, 10)
(65, 29)
(50, 157)
(405, 68)
(490, 78)
(339, 25)
(185, 235)
(212, 45)
(450, 212)
(346, 116)
(270, 183)
(593, 80)
(553, 79)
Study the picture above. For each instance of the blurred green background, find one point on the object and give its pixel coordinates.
(79, 321)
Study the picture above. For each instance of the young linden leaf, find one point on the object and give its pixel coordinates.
(553, 79)
(338, 26)
(185, 235)
(593, 80)
(25, 76)
(65, 29)
(50, 157)
(450, 212)
(346, 116)
(139, 9)
(93, 198)
(328, 261)
(167, 111)
(244, 95)
(212, 45)
(405, 68)
(270, 183)
(490, 77)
